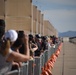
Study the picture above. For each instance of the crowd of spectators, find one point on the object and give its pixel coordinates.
(17, 47)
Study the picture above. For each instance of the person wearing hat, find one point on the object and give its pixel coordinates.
(7, 56)
(38, 41)
(32, 45)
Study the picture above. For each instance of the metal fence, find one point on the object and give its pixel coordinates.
(34, 67)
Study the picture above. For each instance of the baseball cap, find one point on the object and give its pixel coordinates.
(12, 35)
(38, 36)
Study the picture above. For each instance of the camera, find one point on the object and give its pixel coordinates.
(20, 34)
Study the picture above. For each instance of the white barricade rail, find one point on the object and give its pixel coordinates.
(31, 67)
(37, 68)
(21, 71)
(24, 69)
(15, 72)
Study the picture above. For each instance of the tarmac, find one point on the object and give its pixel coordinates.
(66, 61)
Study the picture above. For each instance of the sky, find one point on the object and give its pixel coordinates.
(61, 13)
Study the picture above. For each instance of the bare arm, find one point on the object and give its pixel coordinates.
(15, 56)
(26, 45)
(35, 47)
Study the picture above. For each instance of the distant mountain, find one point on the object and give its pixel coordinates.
(68, 34)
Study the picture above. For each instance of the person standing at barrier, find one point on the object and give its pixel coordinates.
(32, 45)
(39, 44)
(48, 42)
(3, 49)
(2, 31)
(10, 56)
(44, 43)
(16, 46)
(53, 39)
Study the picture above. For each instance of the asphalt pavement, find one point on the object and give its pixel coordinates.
(66, 61)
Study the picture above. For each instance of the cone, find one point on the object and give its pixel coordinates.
(53, 58)
(57, 53)
(50, 64)
(49, 72)
(44, 72)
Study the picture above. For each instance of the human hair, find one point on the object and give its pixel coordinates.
(2, 28)
(18, 42)
(2, 23)
(20, 34)
(30, 37)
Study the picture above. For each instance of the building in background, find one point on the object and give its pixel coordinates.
(23, 15)
(49, 29)
(2, 9)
